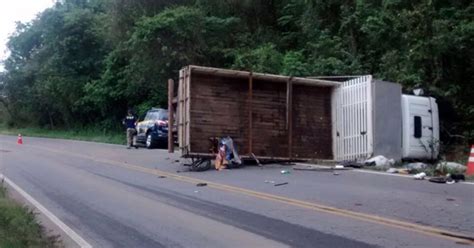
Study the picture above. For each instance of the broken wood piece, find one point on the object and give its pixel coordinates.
(320, 168)
(256, 159)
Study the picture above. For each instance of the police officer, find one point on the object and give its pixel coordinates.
(130, 122)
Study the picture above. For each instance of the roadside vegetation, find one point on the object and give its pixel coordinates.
(85, 134)
(81, 63)
(19, 228)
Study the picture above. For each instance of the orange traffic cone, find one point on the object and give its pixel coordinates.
(470, 162)
(20, 140)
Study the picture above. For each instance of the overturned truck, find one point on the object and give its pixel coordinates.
(292, 118)
(269, 116)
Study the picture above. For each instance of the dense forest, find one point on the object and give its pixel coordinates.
(82, 63)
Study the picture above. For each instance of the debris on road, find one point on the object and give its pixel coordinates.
(200, 164)
(416, 166)
(438, 180)
(311, 167)
(161, 176)
(256, 159)
(280, 184)
(335, 174)
(201, 184)
(227, 156)
(458, 177)
(420, 176)
(451, 165)
(285, 172)
(353, 164)
(220, 163)
(380, 161)
(404, 171)
(448, 179)
(392, 170)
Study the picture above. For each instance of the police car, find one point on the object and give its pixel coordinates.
(153, 130)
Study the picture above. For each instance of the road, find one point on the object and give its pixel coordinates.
(114, 197)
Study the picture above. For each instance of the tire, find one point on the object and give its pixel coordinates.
(149, 143)
(201, 165)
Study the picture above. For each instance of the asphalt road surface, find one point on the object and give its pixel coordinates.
(114, 197)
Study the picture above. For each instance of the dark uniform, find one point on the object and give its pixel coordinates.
(130, 122)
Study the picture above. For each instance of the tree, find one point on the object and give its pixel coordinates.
(83, 62)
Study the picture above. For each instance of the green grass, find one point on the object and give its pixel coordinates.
(88, 134)
(19, 227)
(470, 178)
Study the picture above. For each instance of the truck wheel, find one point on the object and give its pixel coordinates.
(149, 142)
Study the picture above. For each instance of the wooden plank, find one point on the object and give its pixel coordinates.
(289, 114)
(180, 109)
(214, 72)
(184, 110)
(188, 110)
(170, 115)
(210, 155)
(250, 99)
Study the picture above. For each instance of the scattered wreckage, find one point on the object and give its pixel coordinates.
(229, 116)
(419, 170)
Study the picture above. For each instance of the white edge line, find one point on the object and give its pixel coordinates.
(73, 235)
(396, 175)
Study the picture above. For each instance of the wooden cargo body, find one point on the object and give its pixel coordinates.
(271, 116)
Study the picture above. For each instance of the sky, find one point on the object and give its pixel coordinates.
(12, 11)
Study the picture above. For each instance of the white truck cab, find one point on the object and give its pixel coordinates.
(420, 127)
(372, 117)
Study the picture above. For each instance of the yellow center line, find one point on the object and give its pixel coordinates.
(404, 225)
